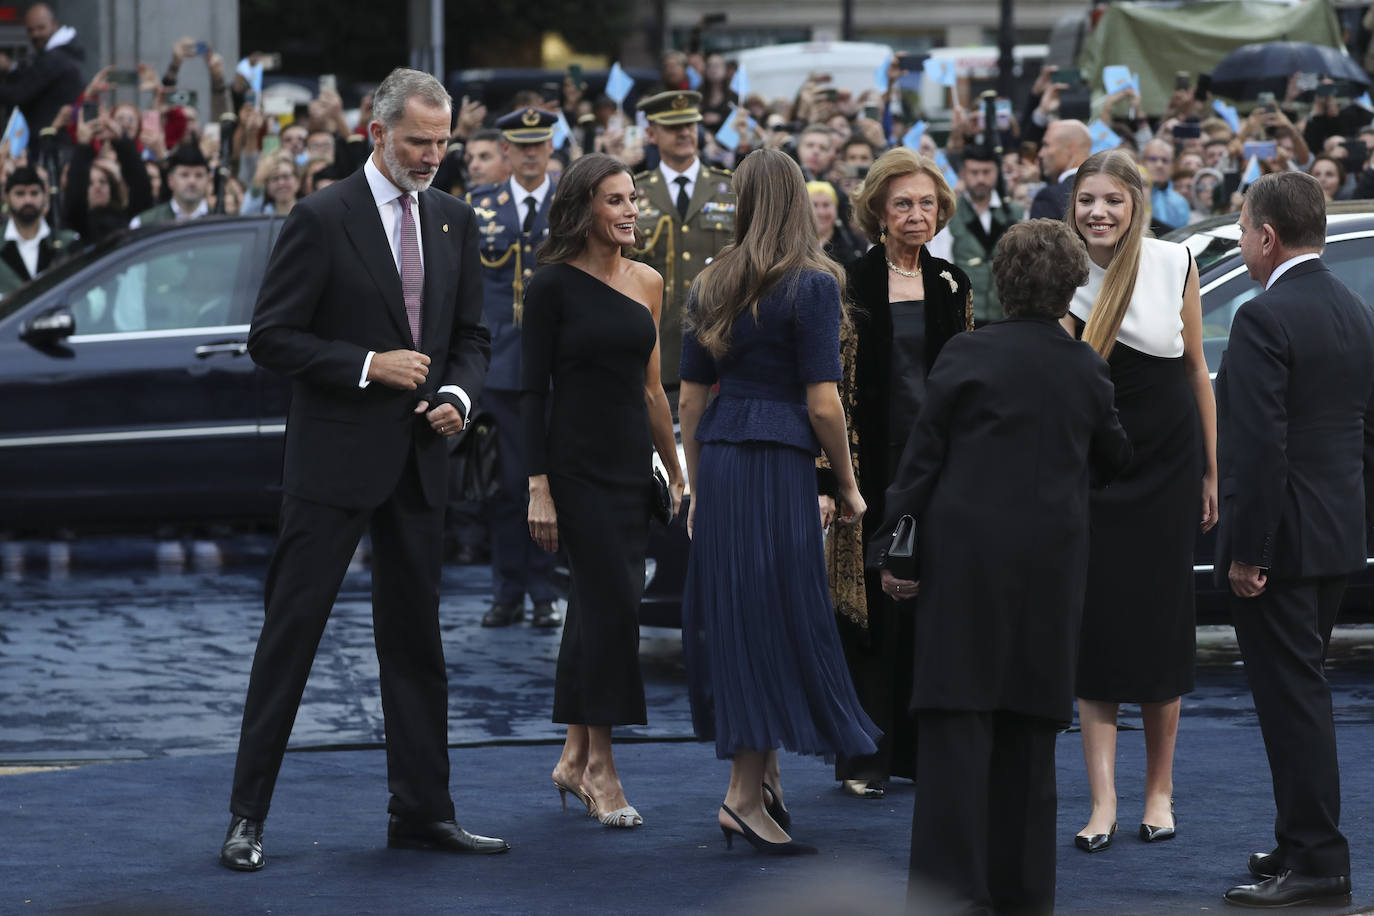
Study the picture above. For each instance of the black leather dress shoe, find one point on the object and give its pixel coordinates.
(503, 614)
(242, 849)
(1289, 888)
(546, 615)
(1264, 864)
(445, 836)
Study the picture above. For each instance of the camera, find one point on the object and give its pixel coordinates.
(184, 97)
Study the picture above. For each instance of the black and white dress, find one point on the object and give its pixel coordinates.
(1139, 628)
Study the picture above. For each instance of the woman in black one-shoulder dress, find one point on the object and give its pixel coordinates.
(593, 404)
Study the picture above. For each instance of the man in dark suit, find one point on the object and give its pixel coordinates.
(29, 246)
(1295, 398)
(513, 219)
(1066, 146)
(42, 83)
(372, 304)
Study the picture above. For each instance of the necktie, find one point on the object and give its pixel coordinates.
(682, 199)
(529, 214)
(412, 273)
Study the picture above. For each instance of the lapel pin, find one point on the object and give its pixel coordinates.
(446, 227)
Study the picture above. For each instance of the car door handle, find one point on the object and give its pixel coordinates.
(236, 347)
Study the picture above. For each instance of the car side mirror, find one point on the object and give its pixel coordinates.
(48, 327)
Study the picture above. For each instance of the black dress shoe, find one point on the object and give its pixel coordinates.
(1094, 842)
(446, 836)
(503, 614)
(1264, 864)
(242, 849)
(1289, 888)
(546, 615)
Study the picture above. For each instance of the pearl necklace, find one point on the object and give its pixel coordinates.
(910, 274)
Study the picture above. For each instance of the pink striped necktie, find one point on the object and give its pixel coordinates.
(412, 273)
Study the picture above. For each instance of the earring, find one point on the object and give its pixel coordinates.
(882, 235)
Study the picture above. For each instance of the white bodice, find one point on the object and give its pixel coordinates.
(1154, 319)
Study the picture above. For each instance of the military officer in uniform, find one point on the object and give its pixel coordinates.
(513, 219)
(686, 213)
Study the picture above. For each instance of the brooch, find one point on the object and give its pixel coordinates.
(949, 278)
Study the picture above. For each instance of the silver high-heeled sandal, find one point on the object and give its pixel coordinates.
(626, 817)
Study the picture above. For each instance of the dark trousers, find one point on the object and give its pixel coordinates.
(518, 565)
(983, 831)
(313, 548)
(880, 659)
(1283, 636)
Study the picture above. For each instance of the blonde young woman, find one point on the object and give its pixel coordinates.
(764, 664)
(1141, 310)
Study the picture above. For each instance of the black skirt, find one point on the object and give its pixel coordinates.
(1139, 622)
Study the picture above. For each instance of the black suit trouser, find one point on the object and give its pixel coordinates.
(1283, 636)
(314, 546)
(983, 831)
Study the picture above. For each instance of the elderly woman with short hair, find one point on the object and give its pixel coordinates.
(998, 485)
(908, 303)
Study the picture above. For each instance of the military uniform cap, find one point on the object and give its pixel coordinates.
(527, 125)
(677, 106)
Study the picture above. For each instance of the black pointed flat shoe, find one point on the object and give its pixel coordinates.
(1152, 834)
(1094, 842)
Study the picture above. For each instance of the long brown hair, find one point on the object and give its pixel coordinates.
(775, 238)
(1119, 285)
(571, 214)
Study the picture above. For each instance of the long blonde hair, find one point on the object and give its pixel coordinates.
(1119, 285)
(775, 238)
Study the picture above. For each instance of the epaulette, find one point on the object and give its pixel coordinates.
(718, 170)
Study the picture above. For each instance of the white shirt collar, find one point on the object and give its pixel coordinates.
(63, 36)
(1067, 174)
(518, 192)
(691, 173)
(201, 210)
(12, 233)
(383, 191)
(1288, 265)
(994, 200)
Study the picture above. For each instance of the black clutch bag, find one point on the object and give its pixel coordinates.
(661, 500)
(901, 552)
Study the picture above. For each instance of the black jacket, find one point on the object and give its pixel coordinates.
(332, 293)
(44, 83)
(1295, 404)
(1017, 415)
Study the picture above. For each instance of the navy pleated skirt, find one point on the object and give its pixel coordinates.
(765, 668)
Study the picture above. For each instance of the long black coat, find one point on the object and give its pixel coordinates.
(1016, 416)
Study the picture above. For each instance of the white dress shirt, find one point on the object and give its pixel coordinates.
(670, 176)
(388, 198)
(1290, 263)
(518, 193)
(28, 248)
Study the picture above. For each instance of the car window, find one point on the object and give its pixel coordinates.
(1350, 259)
(189, 280)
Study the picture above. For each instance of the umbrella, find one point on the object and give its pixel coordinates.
(1265, 67)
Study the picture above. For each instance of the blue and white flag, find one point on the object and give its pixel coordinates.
(739, 83)
(17, 132)
(561, 131)
(880, 75)
(1116, 77)
(942, 70)
(253, 74)
(951, 176)
(728, 136)
(1365, 102)
(693, 79)
(1251, 173)
(912, 138)
(618, 84)
(1227, 113)
(1104, 138)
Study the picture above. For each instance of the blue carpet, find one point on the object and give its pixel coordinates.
(143, 836)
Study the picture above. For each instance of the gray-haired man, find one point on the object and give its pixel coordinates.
(372, 305)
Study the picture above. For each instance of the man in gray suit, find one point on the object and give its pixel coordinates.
(1295, 398)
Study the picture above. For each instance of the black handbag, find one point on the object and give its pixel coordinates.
(661, 505)
(901, 552)
(476, 460)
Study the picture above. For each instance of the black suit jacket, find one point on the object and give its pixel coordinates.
(1052, 201)
(996, 472)
(1295, 401)
(331, 294)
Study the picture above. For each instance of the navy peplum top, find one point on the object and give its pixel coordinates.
(794, 342)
